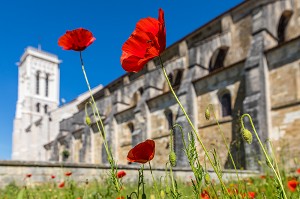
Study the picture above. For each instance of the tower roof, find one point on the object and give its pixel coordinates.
(40, 54)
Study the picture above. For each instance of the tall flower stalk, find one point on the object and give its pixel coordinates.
(247, 136)
(101, 129)
(147, 41)
(78, 40)
(191, 124)
(211, 107)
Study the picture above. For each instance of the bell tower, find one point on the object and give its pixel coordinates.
(38, 93)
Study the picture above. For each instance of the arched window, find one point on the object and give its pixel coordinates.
(141, 91)
(134, 134)
(217, 59)
(135, 99)
(172, 80)
(226, 104)
(283, 22)
(169, 117)
(47, 85)
(178, 77)
(37, 80)
(46, 108)
(37, 107)
(131, 127)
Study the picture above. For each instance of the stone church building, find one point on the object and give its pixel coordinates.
(246, 60)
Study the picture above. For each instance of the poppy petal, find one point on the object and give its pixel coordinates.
(147, 41)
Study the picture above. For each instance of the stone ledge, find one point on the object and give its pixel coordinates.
(17, 163)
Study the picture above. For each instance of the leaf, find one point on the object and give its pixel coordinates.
(20, 194)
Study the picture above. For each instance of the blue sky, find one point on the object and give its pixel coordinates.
(32, 22)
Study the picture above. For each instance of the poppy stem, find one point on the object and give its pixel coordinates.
(191, 124)
(154, 182)
(173, 182)
(102, 130)
(264, 151)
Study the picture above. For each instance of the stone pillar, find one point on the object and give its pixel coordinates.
(255, 102)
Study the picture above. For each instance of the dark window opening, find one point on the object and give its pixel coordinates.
(141, 90)
(37, 78)
(226, 104)
(217, 59)
(178, 77)
(131, 127)
(170, 76)
(169, 117)
(47, 85)
(37, 107)
(283, 22)
(46, 108)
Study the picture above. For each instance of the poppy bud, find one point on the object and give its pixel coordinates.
(172, 158)
(144, 196)
(162, 194)
(168, 190)
(247, 135)
(269, 164)
(88, 120)
(207, 178)
(207, 113)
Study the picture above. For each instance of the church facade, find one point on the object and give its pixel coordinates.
(245, 61)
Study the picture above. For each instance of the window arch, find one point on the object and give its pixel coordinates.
(37, 80)
(137, 96)
(47, 85)
(226, 104)
(37, 107)
(283, 22)
(217, 59)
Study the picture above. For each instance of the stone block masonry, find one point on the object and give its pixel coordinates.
(15, 171)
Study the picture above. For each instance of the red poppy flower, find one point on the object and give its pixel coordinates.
(147, 41)
(121, 174)
(121, 197)
(68, 173)
(142, 153)
(298, 170)
(263, 177)
(251, 194)
(292, 185)
(233, 191)
(61, 185)
(77, 39)
(28, 175)
(52, 176)
(204, 195)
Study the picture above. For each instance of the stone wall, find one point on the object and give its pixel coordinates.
(15, 171)
(284, 76)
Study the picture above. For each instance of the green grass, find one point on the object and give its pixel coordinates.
(263, 187)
